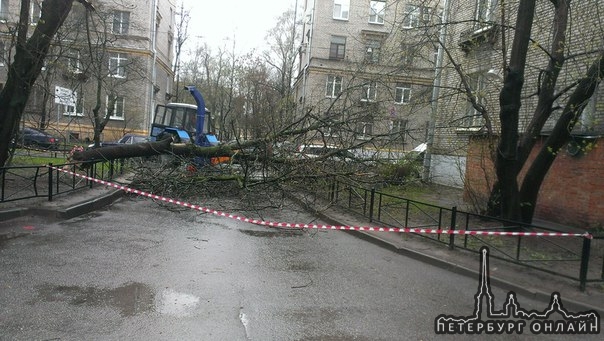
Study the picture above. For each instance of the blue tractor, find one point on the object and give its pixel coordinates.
(184, 123)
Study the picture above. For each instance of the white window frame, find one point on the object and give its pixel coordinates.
(117, 66)
(399, 126)
(331, 130)
(72, 108)
(73, 62)
(4, 10)
(373, 51)
(333, 86)
(2, 53)
(411, 16)
(402, 94)
(407, 53)
(590, 116)
(377, 11)
(113, 116)
(477, 84)
(35, 12)
(369, 93)
(364, 130)
(337, 44)
(341, 9)
(121, 22)
(484, 10)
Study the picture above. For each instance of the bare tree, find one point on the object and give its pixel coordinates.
(27, 65)
(550, 67)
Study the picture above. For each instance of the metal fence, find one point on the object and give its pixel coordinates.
(576, 258)
(27, 182)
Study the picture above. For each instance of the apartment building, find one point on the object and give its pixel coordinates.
(366, 70)
(116, 60)
(479, 38)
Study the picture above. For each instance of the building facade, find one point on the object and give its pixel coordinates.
(115, 61)
(477, 51)
(479, 40)
(366, 70)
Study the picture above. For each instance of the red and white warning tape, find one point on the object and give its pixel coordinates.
(323, 227)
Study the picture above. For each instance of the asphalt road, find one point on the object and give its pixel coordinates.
(138, 271)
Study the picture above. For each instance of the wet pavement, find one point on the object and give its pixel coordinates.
(137, 271)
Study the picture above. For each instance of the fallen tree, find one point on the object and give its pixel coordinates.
(151, 149)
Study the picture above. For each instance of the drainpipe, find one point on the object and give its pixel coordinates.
(153, 31)
(436, 91)
(308, 56)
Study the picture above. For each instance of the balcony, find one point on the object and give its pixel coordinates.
(482, 33)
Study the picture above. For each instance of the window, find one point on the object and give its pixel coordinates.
(337, 47)
(35, 11)
(73, 61)
(415, 15)
(473, 117)
(484, 10)
(73, 106)
(334, 86)
(402, 93)
(118, 108)
(369, 92)
(411, 16)
(341, 9)
(376, 11)
(3, 55)
(398, 129)
(373, 50)
(121, 22)
(590, 120)
(117, 65)
(407, 53)
(364, 129)
(333, 123)
(4, 12)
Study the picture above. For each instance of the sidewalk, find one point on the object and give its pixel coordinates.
(503, 274)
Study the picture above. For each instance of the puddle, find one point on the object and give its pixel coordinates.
(130, 299)
(273, 234)
(175, 303)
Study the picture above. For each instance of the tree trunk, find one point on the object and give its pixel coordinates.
(560, 135)
(27, 65)
(546, 95)
(510, 102)
(150, 149)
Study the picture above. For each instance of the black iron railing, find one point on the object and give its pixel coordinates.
(27, 182)
(570, 257)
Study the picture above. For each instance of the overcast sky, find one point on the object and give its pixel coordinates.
(217, 22)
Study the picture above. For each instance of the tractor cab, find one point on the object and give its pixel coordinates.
(184, 123)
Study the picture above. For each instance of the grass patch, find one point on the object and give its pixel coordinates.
(31, 160)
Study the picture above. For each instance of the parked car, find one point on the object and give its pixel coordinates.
(312, 151)
(126, 139)
(37, 138)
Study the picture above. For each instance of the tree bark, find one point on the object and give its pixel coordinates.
(510, 102)
(150, 149)
(27, 65)
(546, 97)
(560, 135)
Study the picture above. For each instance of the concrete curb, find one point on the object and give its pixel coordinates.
(90, 205)
(58, 213)
(12, 213)
(572, 305)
